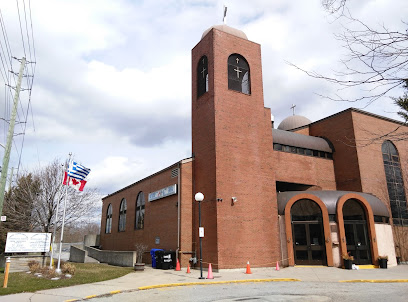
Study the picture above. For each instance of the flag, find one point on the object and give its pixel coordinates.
(75, 183)
(77, 171)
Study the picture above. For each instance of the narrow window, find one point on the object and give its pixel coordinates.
(140, 211)
(202, 76)
(238, 74)
(108, 226)
(395, 184)
(122, 216)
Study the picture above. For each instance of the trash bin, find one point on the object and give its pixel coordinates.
(168, 260)
(158, 255)
(154, 257)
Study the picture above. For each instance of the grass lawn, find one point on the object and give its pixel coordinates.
(85, 273)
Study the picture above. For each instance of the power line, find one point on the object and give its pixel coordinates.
(21, 29)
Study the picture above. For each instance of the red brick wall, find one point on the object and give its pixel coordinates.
(232, 145)
(160, 215)
(367, 131)
(305, 170)
(203, 147)
(339, 129)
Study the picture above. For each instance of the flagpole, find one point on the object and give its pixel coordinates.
(58, 270)
(55, 226)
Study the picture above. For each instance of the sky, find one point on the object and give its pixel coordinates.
(112, 79)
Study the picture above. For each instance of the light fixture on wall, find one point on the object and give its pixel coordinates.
(234, 200)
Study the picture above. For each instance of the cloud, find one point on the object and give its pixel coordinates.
(113, 78)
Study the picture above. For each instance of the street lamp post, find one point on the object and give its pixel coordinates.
(199, 197)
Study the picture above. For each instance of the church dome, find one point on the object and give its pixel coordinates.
(293, 122)
(227, 29)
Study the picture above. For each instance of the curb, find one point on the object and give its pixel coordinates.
(185, 284)
(375, 281)
(217, 282)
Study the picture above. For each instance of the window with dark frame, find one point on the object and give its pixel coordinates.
(122, 215)
(238, 74)
(395, 183)
(108, 226)
(202, 76)
(140, 211)
(302, 151)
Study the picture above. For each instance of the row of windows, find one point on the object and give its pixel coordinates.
(139, 215)
(238, 75)
(302, 151)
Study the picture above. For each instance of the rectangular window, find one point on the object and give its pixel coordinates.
(277, 147)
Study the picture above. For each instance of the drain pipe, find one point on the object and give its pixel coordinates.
(178, 210)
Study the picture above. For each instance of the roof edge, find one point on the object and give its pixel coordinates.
(183, 161)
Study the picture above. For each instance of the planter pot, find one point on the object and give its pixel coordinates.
(348, 264)
(139, 267)
(383, 263)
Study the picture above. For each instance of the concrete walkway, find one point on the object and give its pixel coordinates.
(153, 278)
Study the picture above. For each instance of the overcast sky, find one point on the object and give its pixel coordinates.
(112, 81)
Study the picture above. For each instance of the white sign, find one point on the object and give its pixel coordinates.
(201, 231)
(3, 218)
(28, 242)
(170, 190)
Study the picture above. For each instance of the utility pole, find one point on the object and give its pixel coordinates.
(10, 135)
(11, 179)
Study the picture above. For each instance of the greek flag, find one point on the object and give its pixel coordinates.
(78, 171)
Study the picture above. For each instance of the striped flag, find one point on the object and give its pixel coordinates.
(75, 176)
(78, 171)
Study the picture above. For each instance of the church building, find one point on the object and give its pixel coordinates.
(302, 193)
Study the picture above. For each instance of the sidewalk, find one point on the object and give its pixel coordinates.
(153, 278)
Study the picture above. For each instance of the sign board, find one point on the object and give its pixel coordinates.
(28, 242)
(201, 231)
(3, 218)
(170, 190)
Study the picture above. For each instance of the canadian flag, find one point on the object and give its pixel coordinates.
(75, 183)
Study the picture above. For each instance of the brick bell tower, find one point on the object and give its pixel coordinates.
(232, 149)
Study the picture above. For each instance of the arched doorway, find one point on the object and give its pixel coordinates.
(308, 235)
(356, 232)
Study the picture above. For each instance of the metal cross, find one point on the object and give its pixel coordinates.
(293, 108)
(203, 72)
(237, 59)
(238, 71)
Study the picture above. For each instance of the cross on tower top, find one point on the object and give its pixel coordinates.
(293, 108)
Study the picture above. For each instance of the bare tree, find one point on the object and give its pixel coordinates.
(31, 205)
(376, 58)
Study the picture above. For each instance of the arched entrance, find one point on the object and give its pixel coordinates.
(308, 233)
(356, 232)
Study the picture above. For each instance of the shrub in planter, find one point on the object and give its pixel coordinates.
(382, 260)
(140, 248)
(348, 261)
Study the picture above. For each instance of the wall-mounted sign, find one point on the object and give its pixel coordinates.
(170, 190)
(27, 242)
(201, 232)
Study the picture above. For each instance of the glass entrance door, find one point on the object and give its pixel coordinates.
(358, 244)
(308, 242)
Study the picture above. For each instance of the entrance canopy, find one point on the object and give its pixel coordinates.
(330, 199)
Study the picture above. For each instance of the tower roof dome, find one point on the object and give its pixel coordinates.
(227, 29)
(293, 122)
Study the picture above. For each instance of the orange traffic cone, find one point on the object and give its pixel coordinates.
(188, 269)
(178, 266)
(210, 275)
(277, 265)
(248, 270)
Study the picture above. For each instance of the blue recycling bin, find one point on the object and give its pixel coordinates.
(153, 254)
